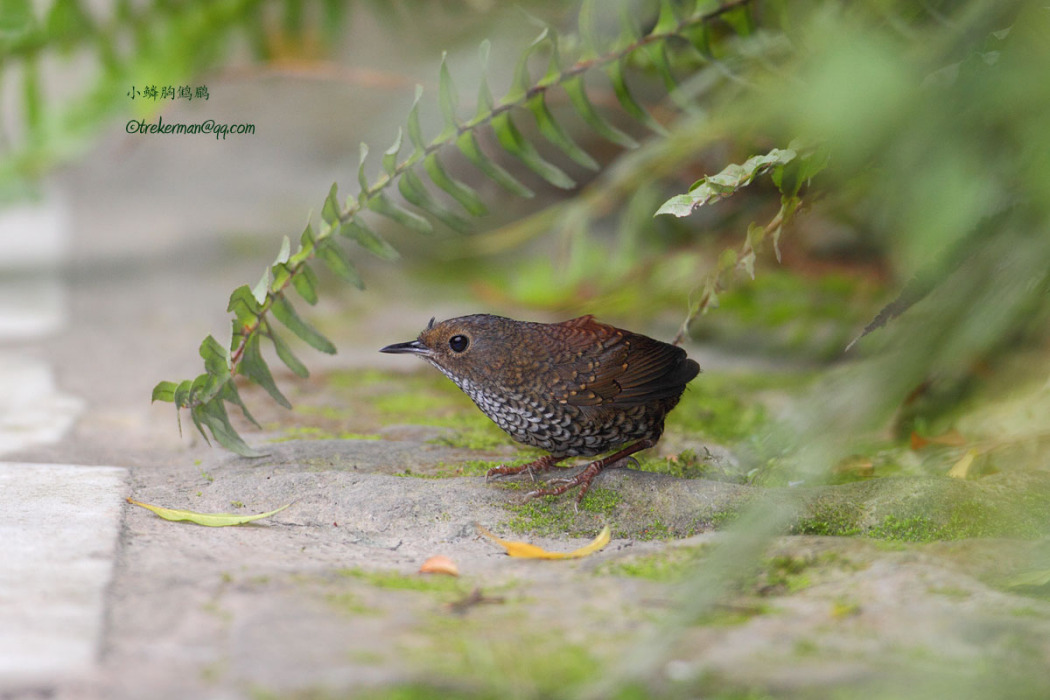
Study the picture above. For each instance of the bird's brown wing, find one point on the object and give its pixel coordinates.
(609, 366)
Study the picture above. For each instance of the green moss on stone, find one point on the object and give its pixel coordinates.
(829, 517)
(311, 432)
(561, 514)
(392, 580)
(670, 565)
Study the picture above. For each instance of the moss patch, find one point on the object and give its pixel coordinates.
(311, 432)
(688, 465)
(669, 566)
(394, 581)
(558, 514)
(830, 516)
(475, 658)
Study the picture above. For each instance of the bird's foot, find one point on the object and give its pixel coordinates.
(584, 478)
(539, 465)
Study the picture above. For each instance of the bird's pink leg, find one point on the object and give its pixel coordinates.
(584, 478)
(540, 465)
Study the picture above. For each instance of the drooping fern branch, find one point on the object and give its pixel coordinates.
(790, 169)
(254, 309)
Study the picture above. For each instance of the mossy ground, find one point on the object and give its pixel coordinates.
(552, 515)
(394, 581)
(668, 566)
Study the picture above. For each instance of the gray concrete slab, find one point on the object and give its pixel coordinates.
(59, 526)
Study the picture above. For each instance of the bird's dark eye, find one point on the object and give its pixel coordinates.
(458, 343)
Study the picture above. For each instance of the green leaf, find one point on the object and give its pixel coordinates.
(330, 210)
(390, 155)
(287, 315)
(229, 393)
(666, 21)
(790, 177)
(514, 143)
(468, 145)
(464, 195)
(203, 389)
(629, 31)
(197, 422)
(306, 246)
(213, 415)
(554, 68)
(626, 99)
(286, 250)
(164, 391)
(262, 287)
(244, 306)
(339, 262)
(740, 20)
(522, 81)
(715, 187)
(485, 101)
(287, 356)
(216, 358)
(415, 132)
(369, 240)
(282, 274)
(554, 133)
(254, 367)
(381, 204)
(578, 96)
(448, 100)
(206, 519)
(182, 393)
(700, 38)
(413, 190)
(657, 54)
(362, 179)
(305, 282)
(588, 34)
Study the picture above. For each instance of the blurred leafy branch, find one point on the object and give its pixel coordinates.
(131, 43)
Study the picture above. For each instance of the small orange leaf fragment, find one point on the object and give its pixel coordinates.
(439, 564)
(962, 467)
(525, 550)
(918, 441)
(952, 438)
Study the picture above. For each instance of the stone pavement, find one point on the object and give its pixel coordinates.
(59, 526)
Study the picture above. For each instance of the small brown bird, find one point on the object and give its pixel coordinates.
(576, 388)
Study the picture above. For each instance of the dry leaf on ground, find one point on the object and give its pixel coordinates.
(206, 519)
(531, 551)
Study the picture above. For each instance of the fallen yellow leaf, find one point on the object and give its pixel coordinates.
(531, 551)
(206, 519)
(962, 467)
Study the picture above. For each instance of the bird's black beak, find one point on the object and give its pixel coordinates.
(413, 347)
